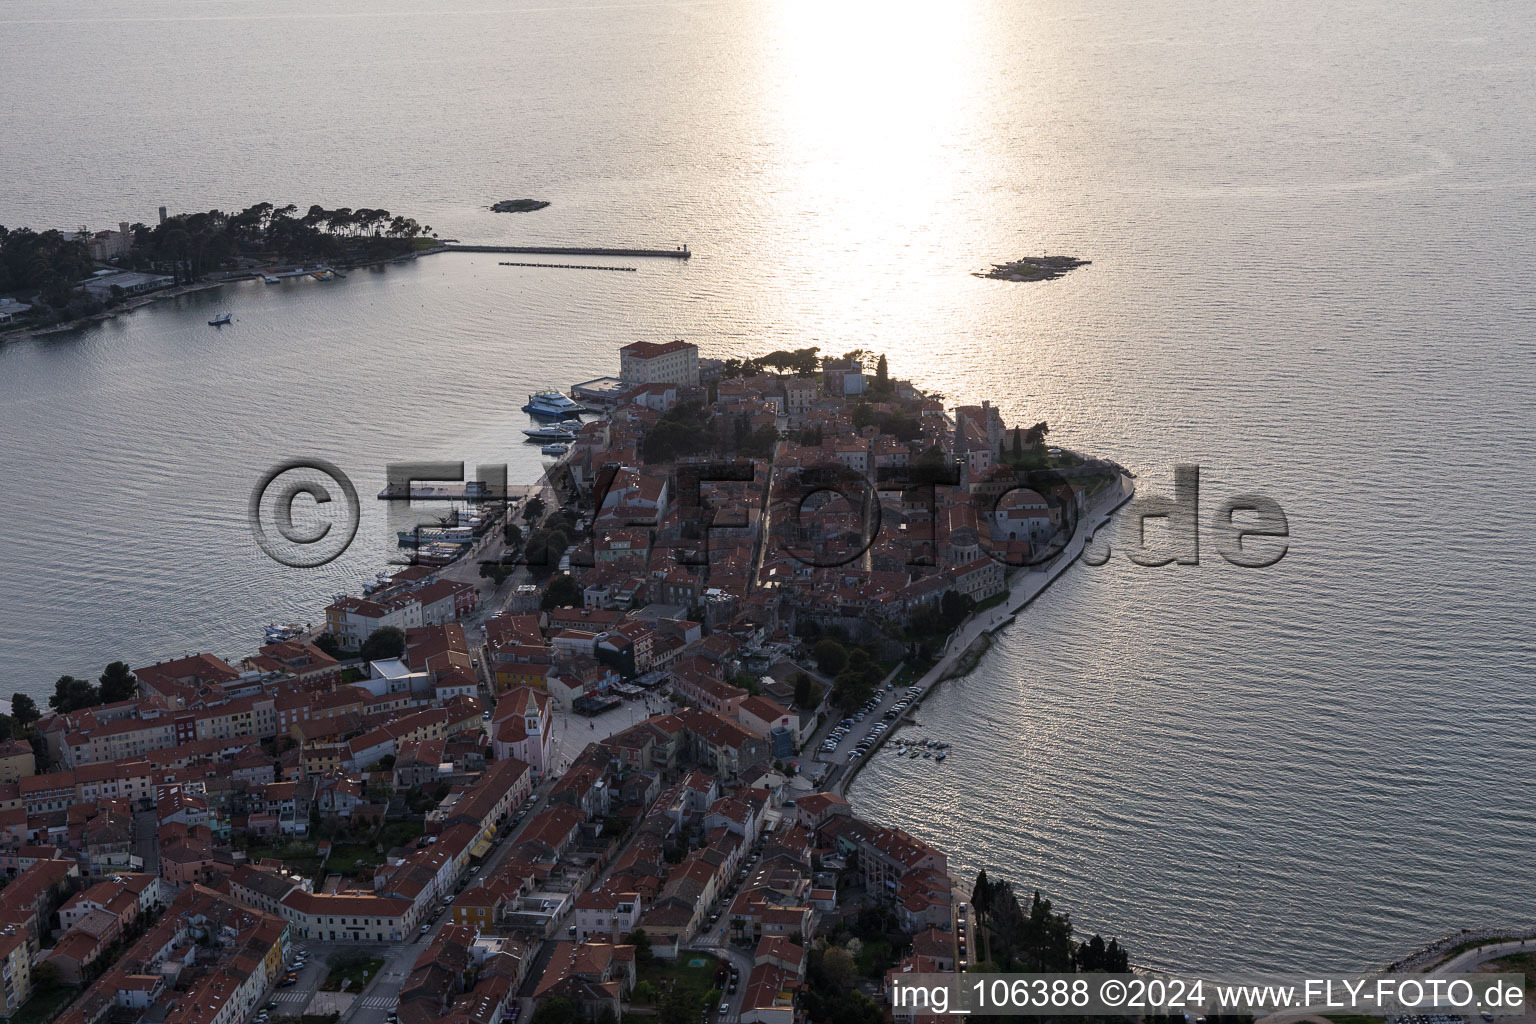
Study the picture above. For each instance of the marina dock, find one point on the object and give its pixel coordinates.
(679, 253)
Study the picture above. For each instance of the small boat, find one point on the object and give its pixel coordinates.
(555, 449)
(941, 755)
(927, 753)
(915, 752)
(279, 632)
(550, 434)
(421, 536)
(269, 278)
(322, 275)
(220, 320)
(438, 554)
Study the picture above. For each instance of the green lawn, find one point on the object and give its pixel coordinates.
(360, 856)
(911, 672)
(351, 969)
(1515, 963)
(45, 1005)
(1462, 947)
(693, 973)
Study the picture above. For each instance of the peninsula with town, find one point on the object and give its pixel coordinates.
(588, 759)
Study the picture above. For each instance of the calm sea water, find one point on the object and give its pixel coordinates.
(1310, 227)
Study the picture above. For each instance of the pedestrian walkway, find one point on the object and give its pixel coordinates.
(1026, 585)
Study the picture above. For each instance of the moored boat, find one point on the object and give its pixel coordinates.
(421, 536)
(220, 320)
(552, 404)
(550, 434)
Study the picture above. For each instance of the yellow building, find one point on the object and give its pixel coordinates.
(15, 968)
(16, 760)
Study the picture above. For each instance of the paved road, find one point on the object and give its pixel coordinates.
(379, 999)
(1463, 962)
(146, 840)
(714, 943)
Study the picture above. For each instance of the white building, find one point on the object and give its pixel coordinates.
(645, 362)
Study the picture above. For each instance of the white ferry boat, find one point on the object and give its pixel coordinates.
(551, 403)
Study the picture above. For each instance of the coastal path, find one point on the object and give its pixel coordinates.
(1025, 586)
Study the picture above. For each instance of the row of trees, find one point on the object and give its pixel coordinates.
(929, 623)
(801, 361)
(116, 683)
(1038, 939)
(45, 267)
(189, 245)
(1024, 449)
(855, 673)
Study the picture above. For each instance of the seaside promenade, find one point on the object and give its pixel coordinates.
(1024, 587)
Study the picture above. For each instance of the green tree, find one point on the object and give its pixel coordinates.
(118, 683)
(830, 656)
(558, 1011)
(24, 709)
(545, 547)
(7, 727)
(981, 906)
(837, 966)
(71, 694)
(1094, 957)
(562, 592)
(384, 642)
(45, 977)
(512, 534)
(807, 691)
(533, 508)
(642, 944)
(496, 572)
(851, 688)
(882, 374)
(954, 607)
(679, 1006)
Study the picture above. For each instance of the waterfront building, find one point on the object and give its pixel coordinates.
(645, 362)
(109, 284)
